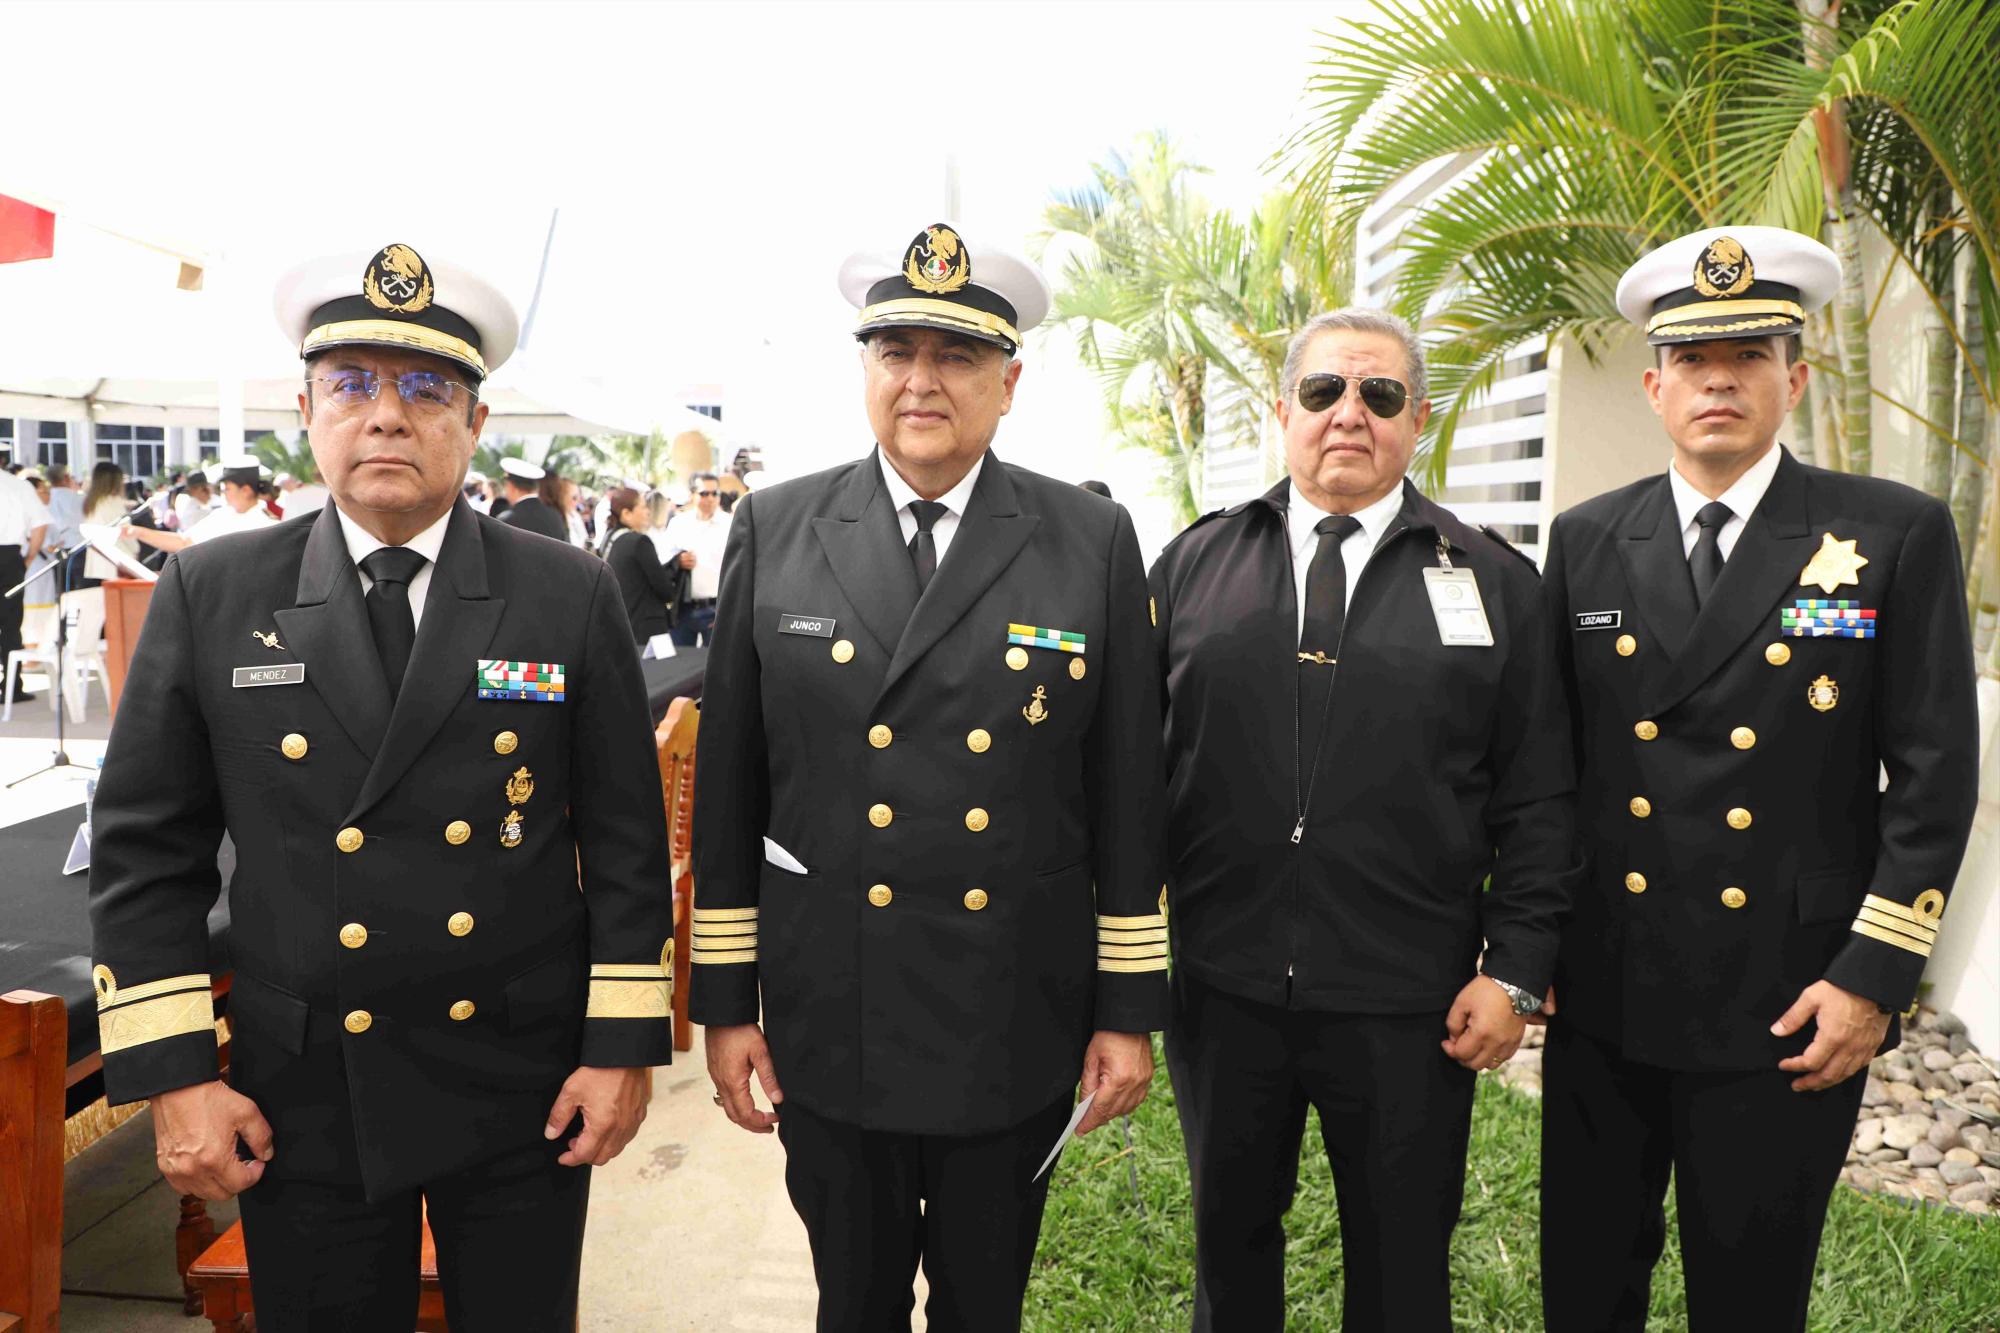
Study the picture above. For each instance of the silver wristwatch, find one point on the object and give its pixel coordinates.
(1524, 1003)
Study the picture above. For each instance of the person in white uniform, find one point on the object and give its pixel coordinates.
(241, 510)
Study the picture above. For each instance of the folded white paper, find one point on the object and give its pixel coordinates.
(662, 645)
(1062, 1139)
(783, 859)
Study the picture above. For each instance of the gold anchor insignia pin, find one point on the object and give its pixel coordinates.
(510, 829)
(269, 638)
(520, 787)
(1036, 712)
(1833, 565)
(1823, 694)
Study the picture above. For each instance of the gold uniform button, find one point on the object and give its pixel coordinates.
(358, 1021)
(975, 819)
(1646, 730)
(1778, 654)
(1076, 668)
(354, 934)
(457, 831)
(294, 746)
(879, 736)
(1627, 645)
(461, 1011)
(460, 923)
(506, 743)
(348, 839)
(1743, 738)
(1734, 897)
(880, 815)
(843, 650)
(1641, 807)
(978, 741)
(1635, 882)
(1017, 658)
(975, 899)
(1738, 818)
(880, 895)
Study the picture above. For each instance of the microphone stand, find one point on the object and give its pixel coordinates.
(57, 681)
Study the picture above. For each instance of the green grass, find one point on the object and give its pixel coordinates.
(1884, 1267)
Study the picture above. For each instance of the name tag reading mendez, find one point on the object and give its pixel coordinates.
(1461, 615)
(819, 627)
(291, 673)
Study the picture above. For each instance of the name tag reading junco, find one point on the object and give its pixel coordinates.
(819, 627)
(1461, 615)
(291, 673)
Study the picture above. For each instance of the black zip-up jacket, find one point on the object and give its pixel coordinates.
(1440, 767)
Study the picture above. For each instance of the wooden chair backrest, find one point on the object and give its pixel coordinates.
(34, 1036)
(674, 744)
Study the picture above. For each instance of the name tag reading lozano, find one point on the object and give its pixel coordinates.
(291, 673)
(1599, 620)
(819, 627)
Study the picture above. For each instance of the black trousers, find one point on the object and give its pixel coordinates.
(1753, 1164)
(1395, 1113)
(509, 1236)
(12, 570)
(875, 1203)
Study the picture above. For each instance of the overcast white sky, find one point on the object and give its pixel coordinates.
(712, 162)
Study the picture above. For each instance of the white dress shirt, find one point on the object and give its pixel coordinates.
(361, 543)
(708, 538)
(1302, 516)
(953, 500)
(222, 521)
(189, 511)
(1741, 498)
(21, 511)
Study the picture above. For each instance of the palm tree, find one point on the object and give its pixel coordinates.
(295, 458)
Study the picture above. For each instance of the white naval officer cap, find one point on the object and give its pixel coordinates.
(521, 468)
(938, 281)
(243, 469)
(395, 298)
(1728, 282)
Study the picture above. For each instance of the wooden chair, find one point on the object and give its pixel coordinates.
(674, 741)
(222, 1276)
(34, 1033)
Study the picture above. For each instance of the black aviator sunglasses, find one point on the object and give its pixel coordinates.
(1379, 394)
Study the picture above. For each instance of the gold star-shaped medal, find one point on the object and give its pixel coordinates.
(1835, 564)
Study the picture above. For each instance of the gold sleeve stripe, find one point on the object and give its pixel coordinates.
(1902, 913)
(1158, 933)
(709, 914)
(628, 998)
(1132, 964)
(1131, 922)
(702, 956)
(1131, 951)
(163, 1016)
(1921, 934)
(114, 996)
(727, 930)
(1875, 932)
(626, 971)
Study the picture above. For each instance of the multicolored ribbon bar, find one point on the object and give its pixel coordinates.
(533, 682)
(1824, 618)
(1853, 629)
(1034, 636)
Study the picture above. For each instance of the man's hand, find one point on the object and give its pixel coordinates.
(1540, 1018)
(613, 1102)
(194, 1140)
(1118, 1067)
(687, 559)
(732, 1053)
(1482, 1028)
(1850, 1030)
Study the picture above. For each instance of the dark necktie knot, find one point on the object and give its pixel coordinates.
(927, 513)
(1713, 515)
(1340, 526)
(392, 564)
(1705, 559)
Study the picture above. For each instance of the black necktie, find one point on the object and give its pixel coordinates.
(1705, 560)
(1326, 614)
(923, 546)
(390, 569)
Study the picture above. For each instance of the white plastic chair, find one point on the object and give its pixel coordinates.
(83, 657)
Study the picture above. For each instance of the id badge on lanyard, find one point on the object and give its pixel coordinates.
(1455, 602)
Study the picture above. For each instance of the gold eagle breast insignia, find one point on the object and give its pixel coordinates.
(937, 261)
(1724, 269)
(398, 280)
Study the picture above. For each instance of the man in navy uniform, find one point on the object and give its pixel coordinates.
(1749, 645)
(928, 813)
(525, 509)
(427, 736)
(1370, 838)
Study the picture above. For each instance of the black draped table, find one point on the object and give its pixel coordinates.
(668, 678)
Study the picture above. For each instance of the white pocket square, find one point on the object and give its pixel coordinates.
(783, 859)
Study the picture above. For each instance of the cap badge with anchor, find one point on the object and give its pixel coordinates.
(1728, 282)
(397, 280)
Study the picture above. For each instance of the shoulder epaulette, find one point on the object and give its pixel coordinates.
(1505, 545)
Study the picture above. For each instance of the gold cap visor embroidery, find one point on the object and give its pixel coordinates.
(885, 313)
(1788, 311)
(393, 333)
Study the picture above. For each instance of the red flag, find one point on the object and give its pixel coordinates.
(26, 232)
